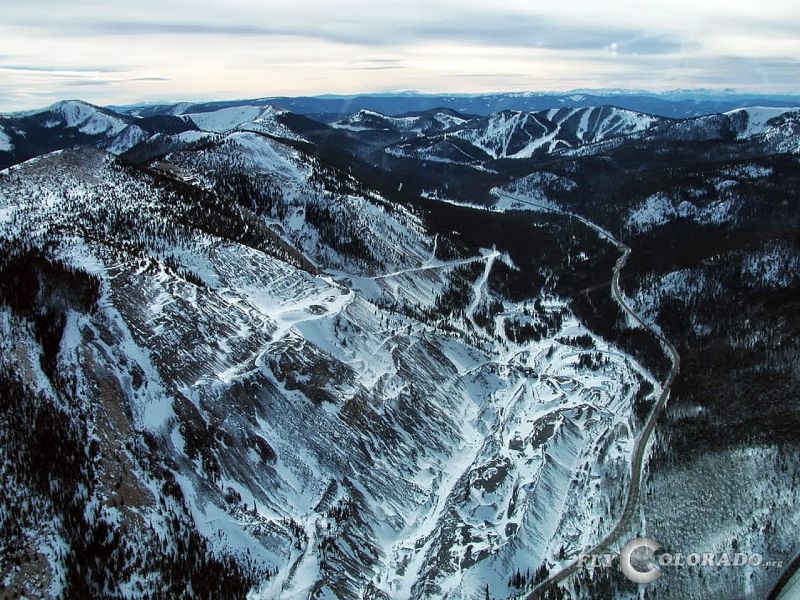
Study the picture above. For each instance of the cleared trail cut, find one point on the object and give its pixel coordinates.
(632, 496)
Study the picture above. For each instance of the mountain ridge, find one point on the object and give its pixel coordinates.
(291, 362)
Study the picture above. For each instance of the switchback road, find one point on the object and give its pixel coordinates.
(632, 497)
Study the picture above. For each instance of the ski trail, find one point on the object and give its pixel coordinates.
(477, 287)
(432, 259)
(429, 266)
(303, 572)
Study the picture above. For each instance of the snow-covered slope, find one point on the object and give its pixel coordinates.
(127, 139)
(262, 118)
(5, 141)
(770, 130)
(336, 230)
(84, 117)
(255, 373)
(73, 123)
(408, 124)
(516, 134)
(519, 135)
(315, 428)
(758, 119)
(778, 128)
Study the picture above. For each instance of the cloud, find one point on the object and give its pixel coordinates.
(117, 81)
(57, 77)
(758, 24)
(190, 49)
(737, 71)
(492, 27)
(86, 82)
(504, 75)
(651, 44)
(375, 64)
(58, 69)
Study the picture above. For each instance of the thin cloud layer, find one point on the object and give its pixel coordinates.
(174, 49)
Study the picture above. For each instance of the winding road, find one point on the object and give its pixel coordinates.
(632, 497)
(788, 585)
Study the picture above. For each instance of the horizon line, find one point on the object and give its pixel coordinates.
(687, 92)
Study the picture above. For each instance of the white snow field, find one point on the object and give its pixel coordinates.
(456, 456)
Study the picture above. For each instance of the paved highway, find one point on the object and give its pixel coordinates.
(632, 497)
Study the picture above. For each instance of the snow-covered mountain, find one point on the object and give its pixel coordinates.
(678, 104)
(73, 122)
(773, 129)
(416, 124)
(87, 119)
(243, 360)
(713, 221)
(516, 134)
(261, 118)
(311, 430)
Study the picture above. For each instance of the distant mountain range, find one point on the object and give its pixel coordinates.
(439, 134)
(676, 104)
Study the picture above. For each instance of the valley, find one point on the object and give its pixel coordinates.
(308, 359)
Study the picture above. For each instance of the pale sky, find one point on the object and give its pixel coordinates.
(123, 52)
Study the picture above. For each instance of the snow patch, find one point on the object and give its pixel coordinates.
(758, 118)
(85, 118)
(263, 119)
(660, 208)
(130, 136)
(5, 141)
